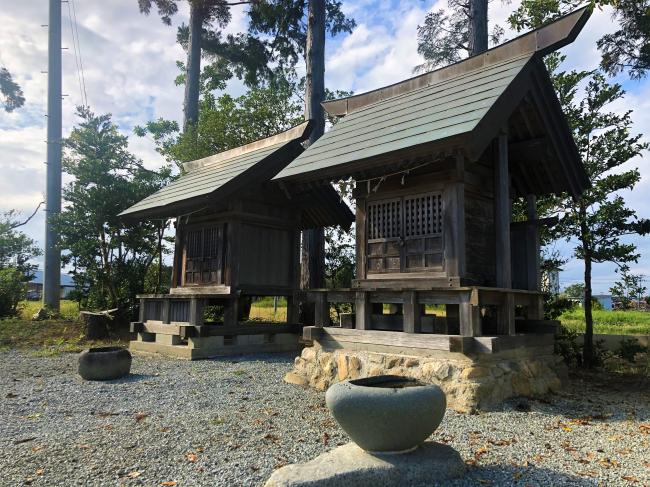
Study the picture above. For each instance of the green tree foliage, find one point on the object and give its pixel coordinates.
(599, 220)
(443, 38)
(226, 122)
(16, 269)
(111, 257)
(11, 95)
(575, 291)
(629, 287)
(625, 49)
(275, 37)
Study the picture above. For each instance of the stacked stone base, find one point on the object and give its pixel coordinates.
(471, 382)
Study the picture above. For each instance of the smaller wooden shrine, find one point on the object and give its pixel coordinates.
(438, 160)
(237, 238)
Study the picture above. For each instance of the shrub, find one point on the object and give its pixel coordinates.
(12, 290)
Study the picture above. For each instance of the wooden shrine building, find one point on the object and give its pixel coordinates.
(438, 160)
(237, 237)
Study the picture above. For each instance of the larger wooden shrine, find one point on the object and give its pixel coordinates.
(237, 238)
(438, 160)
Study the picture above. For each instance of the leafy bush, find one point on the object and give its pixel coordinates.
(629, 348)
(12, 290)
(555, 306)
(570, 348)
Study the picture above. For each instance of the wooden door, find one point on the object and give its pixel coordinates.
(204, 255)
(404, 234)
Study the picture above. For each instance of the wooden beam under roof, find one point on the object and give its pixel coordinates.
(540, 41)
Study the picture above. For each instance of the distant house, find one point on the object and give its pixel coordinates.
(605, 301)
(551, 282)
(35, 286)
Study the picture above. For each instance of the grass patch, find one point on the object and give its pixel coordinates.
(69, 309)
(48, 337)
(609, 322)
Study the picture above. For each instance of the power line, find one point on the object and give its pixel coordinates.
(74, 30)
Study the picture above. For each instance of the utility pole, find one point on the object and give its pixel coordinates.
(312, 271)
(52, 267)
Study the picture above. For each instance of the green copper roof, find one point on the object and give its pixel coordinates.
(210, 176)
(443, 109)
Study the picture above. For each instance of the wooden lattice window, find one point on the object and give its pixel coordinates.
(204, 255)
(405, 234)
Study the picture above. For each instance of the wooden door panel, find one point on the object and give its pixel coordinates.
(405, 234)
(204, 255)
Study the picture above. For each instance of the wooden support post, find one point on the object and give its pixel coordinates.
(231, 313)
(322, 310)
(502, 214)
(142, 313)
(412, 312)
(292, 309)
(506, 315)
(469, 316)
(362, 311)
(196, 311)
(454, 222)
(165, 313)
(536, 308)
(360, 226)
(532, 246)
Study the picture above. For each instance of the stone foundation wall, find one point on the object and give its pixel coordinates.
(470, 383)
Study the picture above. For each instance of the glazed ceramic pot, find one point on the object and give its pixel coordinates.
(104, 363)
(387, 413)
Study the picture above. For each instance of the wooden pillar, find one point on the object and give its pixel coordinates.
(177, 265)
(143, 314)
(532, 245)
(293, 311)
(454, 222)
(196, 311)
(362, 309)
(506, 315)
(469, 316)
(231, 312)
(536, 308)
(502, 213)
(412, 313)
(322, 310)
(166, 305)
(360, 248)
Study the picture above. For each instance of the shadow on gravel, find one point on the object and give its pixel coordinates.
(511, 475)
(129, 378)
(271, 358)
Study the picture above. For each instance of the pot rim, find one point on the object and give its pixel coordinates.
(375, 382)
(104, 349)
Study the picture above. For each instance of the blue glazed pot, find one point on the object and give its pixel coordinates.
(387, 413)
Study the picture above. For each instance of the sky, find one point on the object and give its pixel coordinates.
(129, 63)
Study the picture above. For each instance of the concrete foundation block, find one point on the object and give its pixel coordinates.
(168, 339)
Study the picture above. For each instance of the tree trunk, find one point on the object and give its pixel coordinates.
(312, 271)
(193, 67)
(478, 26)
(588, 350)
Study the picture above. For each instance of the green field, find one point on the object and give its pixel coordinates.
(609, 322)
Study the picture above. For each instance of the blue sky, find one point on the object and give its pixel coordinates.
(130, 65)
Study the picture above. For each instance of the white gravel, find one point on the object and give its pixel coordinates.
(231, 422)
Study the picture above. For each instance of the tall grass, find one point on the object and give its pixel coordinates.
(609, 322)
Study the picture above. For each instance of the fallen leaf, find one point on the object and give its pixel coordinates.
(133, 474)
(587, 473)
(140, 417)
(85, 446)
(106, 414)
(37, 448)
(169, 483)
(506, 442)
(191, 457)
(40, 471)
(24, 440)
(271, 437)
(630, 478)
(645, 428)
(480, 452)
(517, 475)
(165, 430)
(484, 482)
(326, 438)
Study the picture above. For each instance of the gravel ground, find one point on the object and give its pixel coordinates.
(233, 421)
